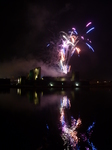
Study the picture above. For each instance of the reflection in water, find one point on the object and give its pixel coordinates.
(33, 96)
(70, 130)
(69, 134)
(19, 91)
(70, 127)
(32, 126)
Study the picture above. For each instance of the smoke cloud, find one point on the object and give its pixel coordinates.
(21, 67)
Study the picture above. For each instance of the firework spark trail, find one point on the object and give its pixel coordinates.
(67, 46)
(88, 24)
(90, 47)
(90, 30)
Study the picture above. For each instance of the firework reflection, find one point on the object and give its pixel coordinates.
(69, 129)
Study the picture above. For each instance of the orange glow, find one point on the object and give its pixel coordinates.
(78, 50)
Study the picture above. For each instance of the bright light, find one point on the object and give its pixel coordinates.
(77, 84)
(51, 84)
(18, 80)
(19, 91)
(36, 70)
(36, 77)
(35, 94)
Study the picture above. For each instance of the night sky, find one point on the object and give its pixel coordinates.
(27, 27)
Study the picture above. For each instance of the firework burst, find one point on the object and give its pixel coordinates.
(66, 45)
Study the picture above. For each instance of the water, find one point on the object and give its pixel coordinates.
(30, 119)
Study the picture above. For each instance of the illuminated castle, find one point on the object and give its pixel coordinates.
(35, 74)
(34, 79)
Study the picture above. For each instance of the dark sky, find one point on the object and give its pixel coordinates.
(27, 26)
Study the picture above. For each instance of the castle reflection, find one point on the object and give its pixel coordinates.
(32, 95)
(35, 95)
